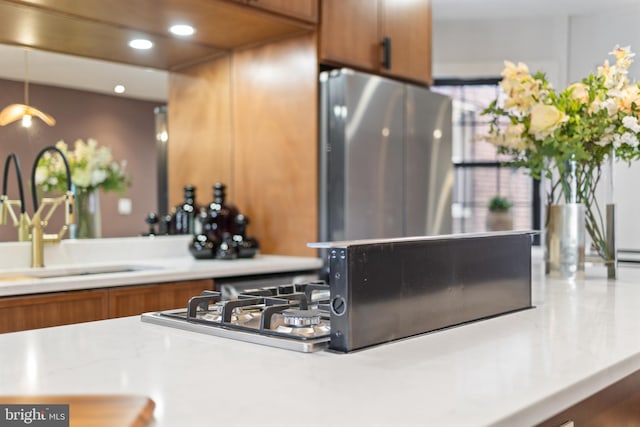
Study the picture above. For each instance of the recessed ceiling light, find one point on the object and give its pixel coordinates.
(141, 44)
(119, 89)
(182, 30)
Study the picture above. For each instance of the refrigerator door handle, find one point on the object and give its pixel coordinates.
(386, 52)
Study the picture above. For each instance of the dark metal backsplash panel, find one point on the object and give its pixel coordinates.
(387, 290)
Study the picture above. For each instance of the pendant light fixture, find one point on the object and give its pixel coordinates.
(24, 112)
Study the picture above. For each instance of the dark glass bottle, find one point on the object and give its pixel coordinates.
(220, 222)
(184, 221)
(246, 246)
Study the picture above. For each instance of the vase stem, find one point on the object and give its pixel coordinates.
(570, 182)
(612, 257)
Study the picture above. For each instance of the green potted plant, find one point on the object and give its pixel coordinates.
(499, 215)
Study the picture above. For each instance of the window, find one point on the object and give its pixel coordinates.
(480, 172)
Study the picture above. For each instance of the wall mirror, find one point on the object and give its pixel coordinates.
(79, 93)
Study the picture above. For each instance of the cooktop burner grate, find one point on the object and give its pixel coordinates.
(263, 313)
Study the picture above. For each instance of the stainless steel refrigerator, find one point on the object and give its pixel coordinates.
(385, 158)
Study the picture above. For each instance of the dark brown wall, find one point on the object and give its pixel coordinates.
(125, 125)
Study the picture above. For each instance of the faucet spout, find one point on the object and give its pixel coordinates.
(34, 193)
(40, 219)
(6, 205)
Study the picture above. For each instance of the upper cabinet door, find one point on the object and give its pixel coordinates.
(407, 27)
(388, 37)
(306, 10)
(349, 33)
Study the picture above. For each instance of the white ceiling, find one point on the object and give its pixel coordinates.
(484, 9)
(82, 73)
(150, 84)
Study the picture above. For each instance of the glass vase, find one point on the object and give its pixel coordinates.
(600, 216)
(88, 223)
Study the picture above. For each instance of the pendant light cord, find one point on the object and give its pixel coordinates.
(26, 78)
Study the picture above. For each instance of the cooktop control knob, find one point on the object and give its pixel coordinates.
(338, 305)
(301, 318)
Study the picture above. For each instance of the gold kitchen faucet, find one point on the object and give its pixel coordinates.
(34, 228)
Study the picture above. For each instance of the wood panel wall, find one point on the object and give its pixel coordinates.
(200, 134)
(262, 118)
(275, 153)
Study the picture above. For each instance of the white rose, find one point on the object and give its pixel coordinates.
(81, 178)
(41, 175)
(631, 123)
(607, 138)
(97, 177)
(103, 156)
(545, 119)
(626, 138)
(579, 92)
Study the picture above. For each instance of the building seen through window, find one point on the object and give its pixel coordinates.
(480, 172)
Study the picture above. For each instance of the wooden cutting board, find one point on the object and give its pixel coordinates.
(96, 410)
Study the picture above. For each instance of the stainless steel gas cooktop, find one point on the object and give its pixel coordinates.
(294, 317)
(379, 291)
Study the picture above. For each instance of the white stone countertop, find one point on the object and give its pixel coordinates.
(147, 260)
(512, 370)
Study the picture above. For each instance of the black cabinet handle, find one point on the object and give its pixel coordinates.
(386, 52)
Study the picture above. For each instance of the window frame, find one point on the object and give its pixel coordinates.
(498, 165)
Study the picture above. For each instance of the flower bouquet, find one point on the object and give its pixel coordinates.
(92, 169)
(568, 135)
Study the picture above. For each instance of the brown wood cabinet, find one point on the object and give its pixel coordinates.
(275, 151)
(250, 120)
(134, 300)
(61, 308)
(382, 36)
(349, 33)
(306, 10)
(617, 405)
(20, 313)
(201, 133)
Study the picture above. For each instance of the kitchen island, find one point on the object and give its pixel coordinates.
(513, 370)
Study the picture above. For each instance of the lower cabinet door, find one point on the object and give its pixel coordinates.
(134, 300)
(617, 405)
(61, 308)
(24, 312)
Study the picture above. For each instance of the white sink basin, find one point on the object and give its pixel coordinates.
(52, 272)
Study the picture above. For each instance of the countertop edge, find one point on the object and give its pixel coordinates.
(565, 398)
(162, 271)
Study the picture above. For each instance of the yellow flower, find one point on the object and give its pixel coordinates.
(623, 56)
(627, 97)
(579, 92)
(521, 88)
(513, 137)
(545, 119)
(514, 72)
